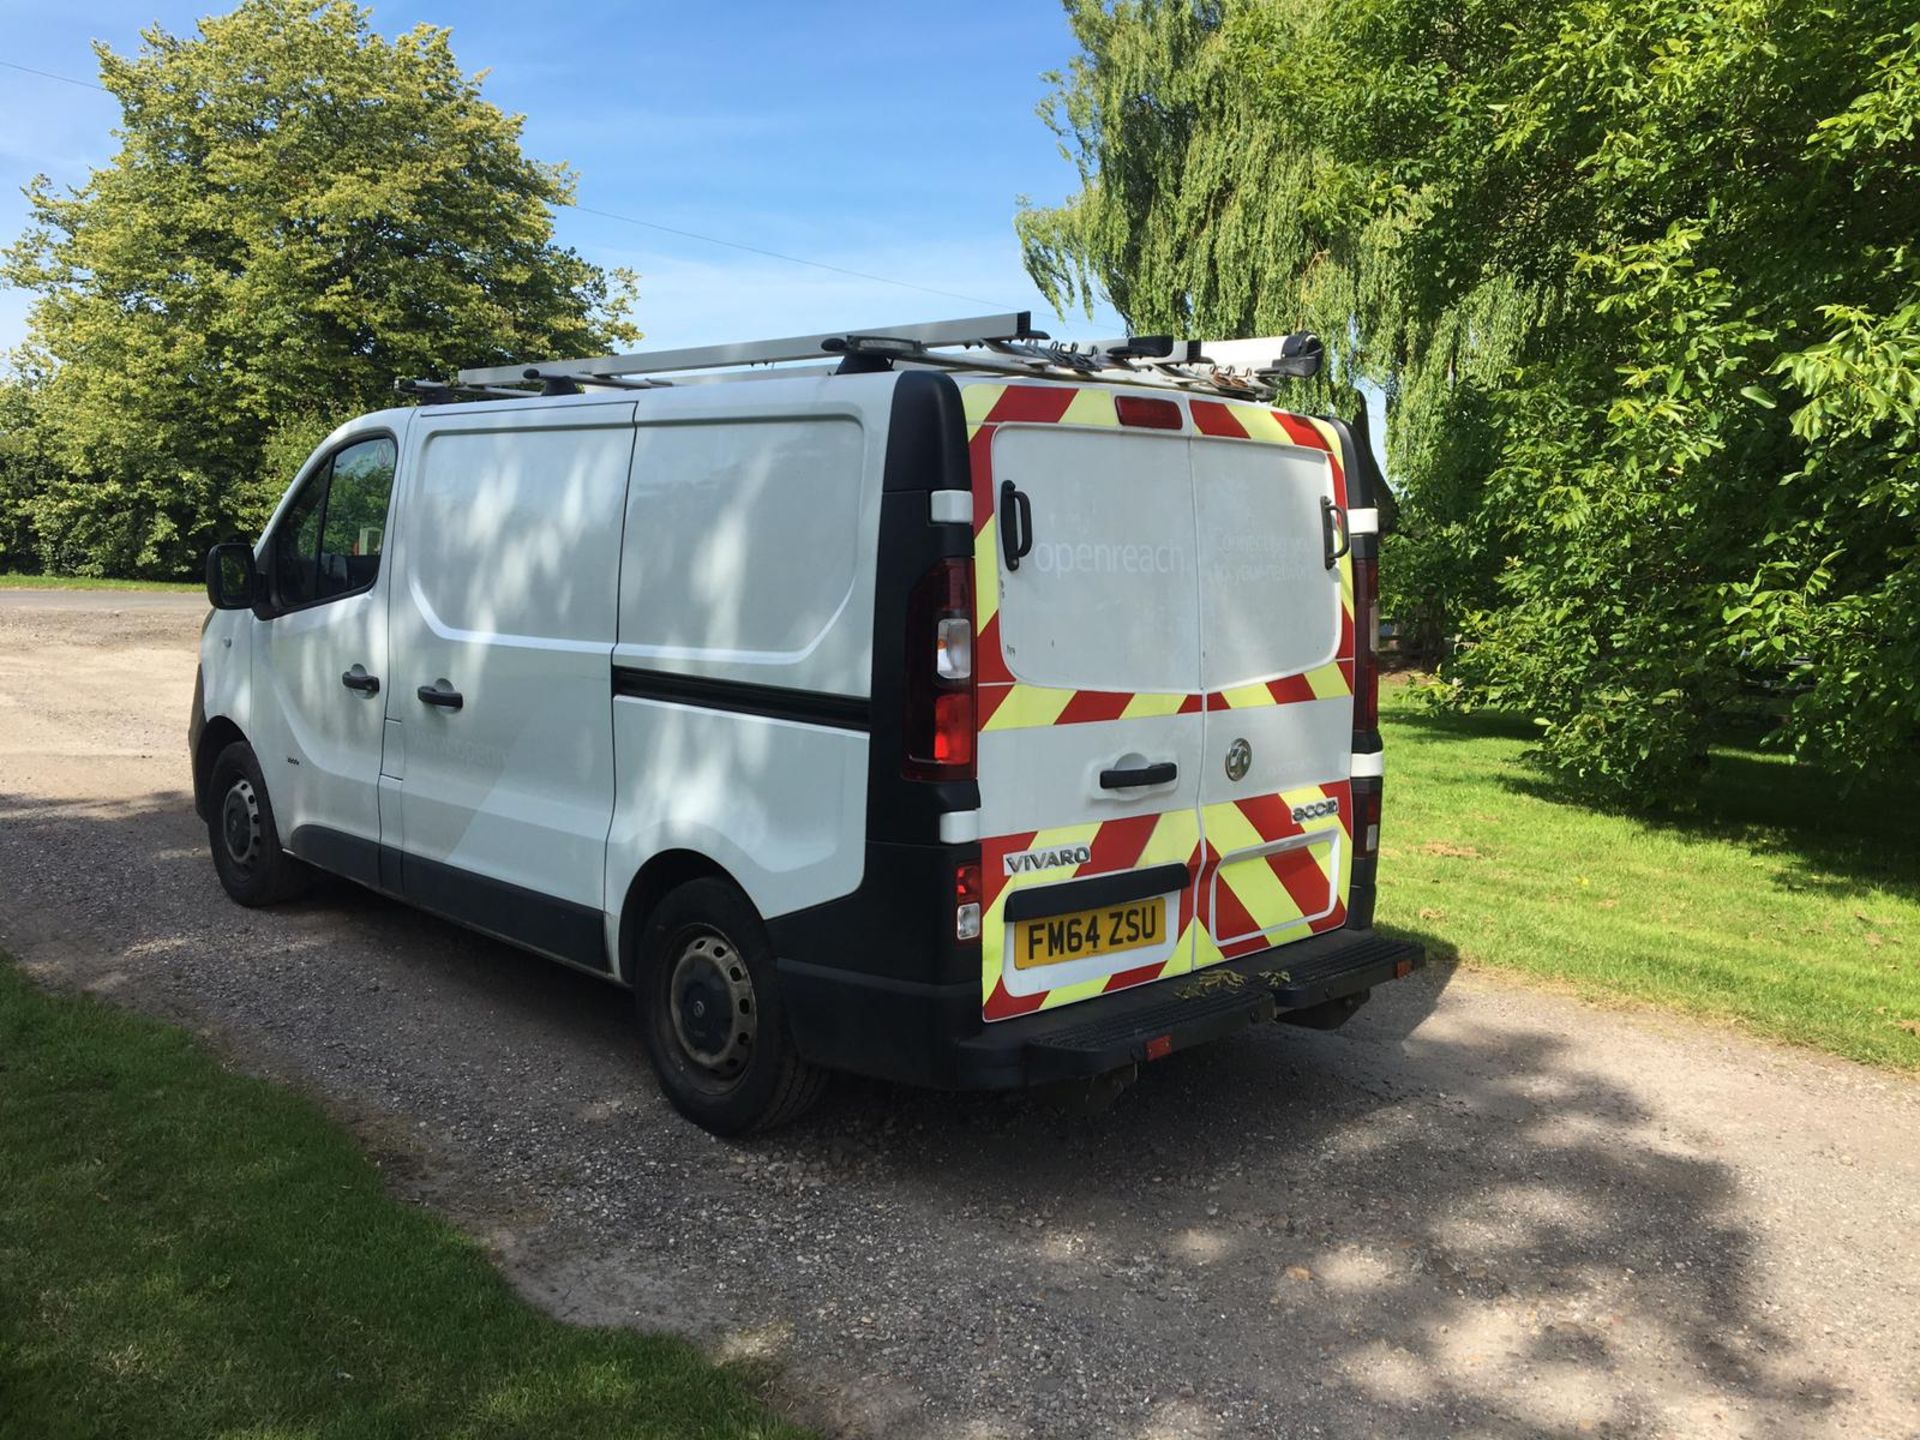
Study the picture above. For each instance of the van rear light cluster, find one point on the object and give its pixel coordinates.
(940, 700)
(1366, 644)
(1366, 817)
(966, 901)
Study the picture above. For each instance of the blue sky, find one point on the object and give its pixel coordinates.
(891, 139)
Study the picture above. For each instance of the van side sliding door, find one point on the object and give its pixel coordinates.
(503, 627)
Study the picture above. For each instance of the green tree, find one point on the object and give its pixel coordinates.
(1639, 278)
(299, 212)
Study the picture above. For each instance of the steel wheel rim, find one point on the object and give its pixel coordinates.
(711, 1005)
(240, 827)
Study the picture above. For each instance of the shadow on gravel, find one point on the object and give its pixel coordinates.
(1387, 1229)
(1519, 1259)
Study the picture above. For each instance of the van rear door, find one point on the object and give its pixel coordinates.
(1089, 693)
(1276, 605)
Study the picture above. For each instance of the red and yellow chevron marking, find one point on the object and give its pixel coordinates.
(1261, 901)
(1116, 845)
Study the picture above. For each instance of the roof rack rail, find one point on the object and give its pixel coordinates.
(983, 344)
(1015, 325)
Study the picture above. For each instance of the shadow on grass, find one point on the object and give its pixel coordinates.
(1829, 838)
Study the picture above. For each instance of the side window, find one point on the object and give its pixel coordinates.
(328, 543)
(296, 544)
(356, 520)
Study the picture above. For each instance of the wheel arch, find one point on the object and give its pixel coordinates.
(218, 733)
(659, 877)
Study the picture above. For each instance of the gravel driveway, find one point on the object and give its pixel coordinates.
(1524, 1216)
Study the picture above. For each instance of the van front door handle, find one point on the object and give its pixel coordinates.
(1164, 773)
(445, 699)
(358, 679)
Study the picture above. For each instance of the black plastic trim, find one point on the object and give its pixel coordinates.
(1096, 892)
(354, 857)
(544, 923)
(1366, 489)
(1363, 883)
(1097, 1036)
(926, 451)
(931, 1033)
(742, 697)
(527, 918)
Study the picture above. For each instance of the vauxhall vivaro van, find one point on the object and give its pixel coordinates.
(961, 710)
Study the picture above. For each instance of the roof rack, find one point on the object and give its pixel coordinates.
(990, 344)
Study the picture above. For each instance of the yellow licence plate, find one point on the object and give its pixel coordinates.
(1055, 939)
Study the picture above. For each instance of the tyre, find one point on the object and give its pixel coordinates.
(710, 1013)
(246, 847)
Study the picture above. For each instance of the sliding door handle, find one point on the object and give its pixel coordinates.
(358, 679)
(446, 699)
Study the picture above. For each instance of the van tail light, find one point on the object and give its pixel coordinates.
(1366, 644)
(1366, 817)
(966, 901)
(940, 699)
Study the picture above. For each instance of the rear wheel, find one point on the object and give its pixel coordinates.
(710, 1013)
(252, 867)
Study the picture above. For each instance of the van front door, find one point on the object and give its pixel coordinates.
(320, 662)
(1089, 697)
(503, 633)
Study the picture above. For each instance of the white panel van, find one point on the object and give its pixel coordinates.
(955, 720)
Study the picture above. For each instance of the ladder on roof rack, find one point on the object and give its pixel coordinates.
(1015, 325)
(990, 344)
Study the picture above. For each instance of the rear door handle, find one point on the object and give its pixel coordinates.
(357, 679)
(1016, 524)
(1333, 520)
(1163, 773)
(445, 699)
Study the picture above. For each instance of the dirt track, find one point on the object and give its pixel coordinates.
(1477, 1210)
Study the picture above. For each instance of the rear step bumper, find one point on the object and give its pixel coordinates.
(1152, 1021)
(932, 1034)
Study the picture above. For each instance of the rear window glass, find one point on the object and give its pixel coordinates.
(1270, 607)
(1106, 599)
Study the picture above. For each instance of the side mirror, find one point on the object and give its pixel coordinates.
(232, 580)
(1301, 356)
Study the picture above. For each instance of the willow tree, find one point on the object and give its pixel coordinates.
(1638, 278)
(1219, 197)
(300, 211)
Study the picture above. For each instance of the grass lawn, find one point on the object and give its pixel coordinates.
(188, 1252)
(10, 581)
(1780, 904)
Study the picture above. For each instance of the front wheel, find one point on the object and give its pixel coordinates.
(253, 869)
(710, 1014)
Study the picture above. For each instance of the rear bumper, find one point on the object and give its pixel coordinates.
(933, 1034)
